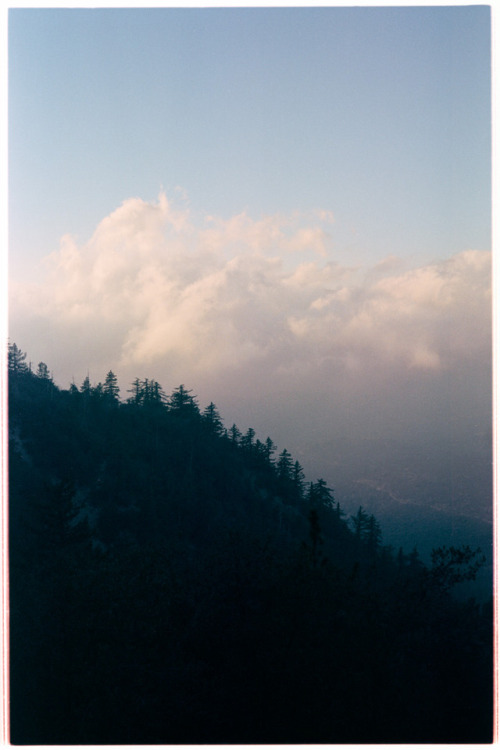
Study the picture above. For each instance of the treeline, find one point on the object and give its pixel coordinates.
(174, 581)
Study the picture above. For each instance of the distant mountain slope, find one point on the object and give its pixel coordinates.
(449, 475)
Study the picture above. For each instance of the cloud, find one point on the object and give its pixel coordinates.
(155, 285)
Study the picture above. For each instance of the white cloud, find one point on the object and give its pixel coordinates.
(222, 293)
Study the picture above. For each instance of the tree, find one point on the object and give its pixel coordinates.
(182, 402)
(16, 361)
(260, 449)
(42, 371)
(156, 394)
(298, 479)
(452, 565)
(136, 392)
(247, 439)
(110, 388)
(98, 391)
(338, 512)
(85, 387)
(269, 449)
(284, 465)
(360, 524)
(211, 418)
(320, 495)
(73, 389)
(234, 435)
(146, 393)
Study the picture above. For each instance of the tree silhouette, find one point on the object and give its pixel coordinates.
(111, 389)
(42, 371)
(16, 361)
(452, 565)
(212, 419)
(182, 402)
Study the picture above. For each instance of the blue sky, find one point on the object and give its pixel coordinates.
(287, 210)
(380, 115)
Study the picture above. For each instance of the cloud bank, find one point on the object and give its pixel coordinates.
(153, 284)
(258, 315)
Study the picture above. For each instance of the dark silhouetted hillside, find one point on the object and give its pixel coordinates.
(176, 581)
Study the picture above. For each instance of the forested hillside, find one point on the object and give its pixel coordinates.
(173, 580)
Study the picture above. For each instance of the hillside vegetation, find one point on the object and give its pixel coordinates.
(176, 581)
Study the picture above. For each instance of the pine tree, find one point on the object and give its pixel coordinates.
(156, 395)
(269, 449)
(211, 418)
(86, 388)
(284, 465)
(320, 495)
(137, 393)
(182, 402)
(73, 389)
(234, 435)
(16, 361)
(110, 388)
(42, 371)
(247, 439)
(298, 480)
(360, 524)
(97, 391)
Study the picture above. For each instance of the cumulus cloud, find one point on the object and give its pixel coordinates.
(212, 294)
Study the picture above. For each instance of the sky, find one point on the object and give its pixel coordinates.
(286, 209)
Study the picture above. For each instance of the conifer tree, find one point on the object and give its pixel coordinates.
(234, 435)
(320, 495)
(182, 402)
(86, 388)
(156, 394)
(16, 361)
(360, 524)
(284, 465)
(110, 388)
(247, 439)
(269, 449)
(137, 393)
(97, 391)
(42, 371)
(73, 389)
(211, 418)
(298, 479)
